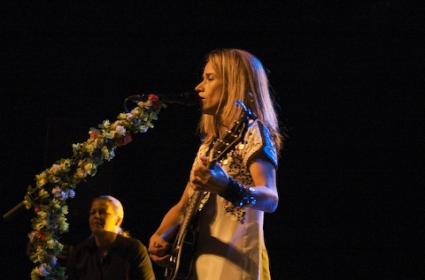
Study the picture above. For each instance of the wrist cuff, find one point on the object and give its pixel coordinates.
(238, 194)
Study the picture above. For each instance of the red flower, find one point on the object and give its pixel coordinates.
(93, 134)
(127, 138)
(41, 235)
(154, 99)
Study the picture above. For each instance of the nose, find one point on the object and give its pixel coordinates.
(199, 87)
(95, 214)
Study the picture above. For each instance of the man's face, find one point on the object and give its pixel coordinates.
(103, 217)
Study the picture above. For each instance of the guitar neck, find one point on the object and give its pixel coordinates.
(192, 207)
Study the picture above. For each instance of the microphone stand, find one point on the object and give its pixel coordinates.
(19, 207)
(13, 211)
(185, 99)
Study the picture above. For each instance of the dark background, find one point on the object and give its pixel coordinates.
(347, 78)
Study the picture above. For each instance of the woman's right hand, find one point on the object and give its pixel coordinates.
(159, 250)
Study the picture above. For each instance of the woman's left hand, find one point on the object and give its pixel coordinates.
(213, 179)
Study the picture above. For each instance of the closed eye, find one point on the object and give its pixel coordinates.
(209, 76)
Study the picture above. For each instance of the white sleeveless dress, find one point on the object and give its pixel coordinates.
(231, 240)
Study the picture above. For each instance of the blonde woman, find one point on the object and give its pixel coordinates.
(109, 253)
(240, 187)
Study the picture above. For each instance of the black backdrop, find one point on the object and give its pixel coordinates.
(345, 77)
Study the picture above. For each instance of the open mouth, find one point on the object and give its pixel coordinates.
(97, 224)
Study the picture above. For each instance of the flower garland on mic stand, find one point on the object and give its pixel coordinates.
(56, 184)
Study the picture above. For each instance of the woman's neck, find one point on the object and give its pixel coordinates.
(222, 128)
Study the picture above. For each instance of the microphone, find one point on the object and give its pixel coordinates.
(185, 99)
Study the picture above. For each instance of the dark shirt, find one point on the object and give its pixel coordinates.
(127, 259)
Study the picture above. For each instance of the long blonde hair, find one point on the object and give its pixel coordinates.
(245, 79)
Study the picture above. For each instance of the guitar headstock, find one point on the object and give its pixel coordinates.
(234, 135)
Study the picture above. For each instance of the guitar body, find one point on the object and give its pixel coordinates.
(182, 255)
(183, 249)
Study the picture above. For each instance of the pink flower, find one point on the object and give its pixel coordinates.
(57, 192)
(42, 269)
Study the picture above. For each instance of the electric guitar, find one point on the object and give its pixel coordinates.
(182, 251)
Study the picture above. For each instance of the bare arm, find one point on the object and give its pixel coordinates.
(263, 173)
(159, 243)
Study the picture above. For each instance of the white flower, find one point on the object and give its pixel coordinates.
(65, 209)
(121, 116)
(143, 128)
(42, 214)
(109, 135)
(32, 235)
(63, 225)
(35, 275)
(41, 179)
(50, 243)
(129, 116)
(40, 225)
(105, 152)
(106, 123)
(120, 130)
(111, 154)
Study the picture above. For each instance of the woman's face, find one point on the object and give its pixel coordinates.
(209, 90)
(103, 217)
